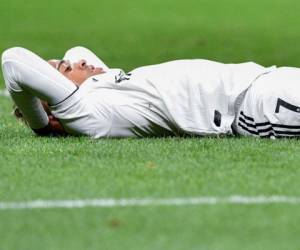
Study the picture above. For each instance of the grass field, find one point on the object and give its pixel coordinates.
(128, 34)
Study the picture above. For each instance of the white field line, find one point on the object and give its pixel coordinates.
(234, 200)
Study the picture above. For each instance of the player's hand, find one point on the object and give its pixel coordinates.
(56, 126)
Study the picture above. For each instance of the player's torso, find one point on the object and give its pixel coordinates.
(185, 96)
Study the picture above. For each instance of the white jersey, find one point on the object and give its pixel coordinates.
(194, 97)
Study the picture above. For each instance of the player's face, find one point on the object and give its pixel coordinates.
(77, 72)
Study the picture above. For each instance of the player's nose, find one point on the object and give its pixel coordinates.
(82, 64)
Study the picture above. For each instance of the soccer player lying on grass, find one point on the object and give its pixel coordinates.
(184, 97)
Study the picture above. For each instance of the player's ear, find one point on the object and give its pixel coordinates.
(18, 114)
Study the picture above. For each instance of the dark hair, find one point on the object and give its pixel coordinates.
(18, 114)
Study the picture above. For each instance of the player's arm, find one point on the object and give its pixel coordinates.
(29, 79)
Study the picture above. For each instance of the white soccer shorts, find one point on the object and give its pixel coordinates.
(271, 106)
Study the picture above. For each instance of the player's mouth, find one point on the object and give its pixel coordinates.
(96, 70)
(92, 68)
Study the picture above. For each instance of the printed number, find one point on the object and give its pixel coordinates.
(286, 105)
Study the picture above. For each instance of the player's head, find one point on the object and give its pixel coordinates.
(77, 72)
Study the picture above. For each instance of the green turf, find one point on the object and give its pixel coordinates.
(128, 34)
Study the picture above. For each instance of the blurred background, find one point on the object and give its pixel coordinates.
(128, 34)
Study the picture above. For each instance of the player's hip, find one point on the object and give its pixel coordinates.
(271, 106)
